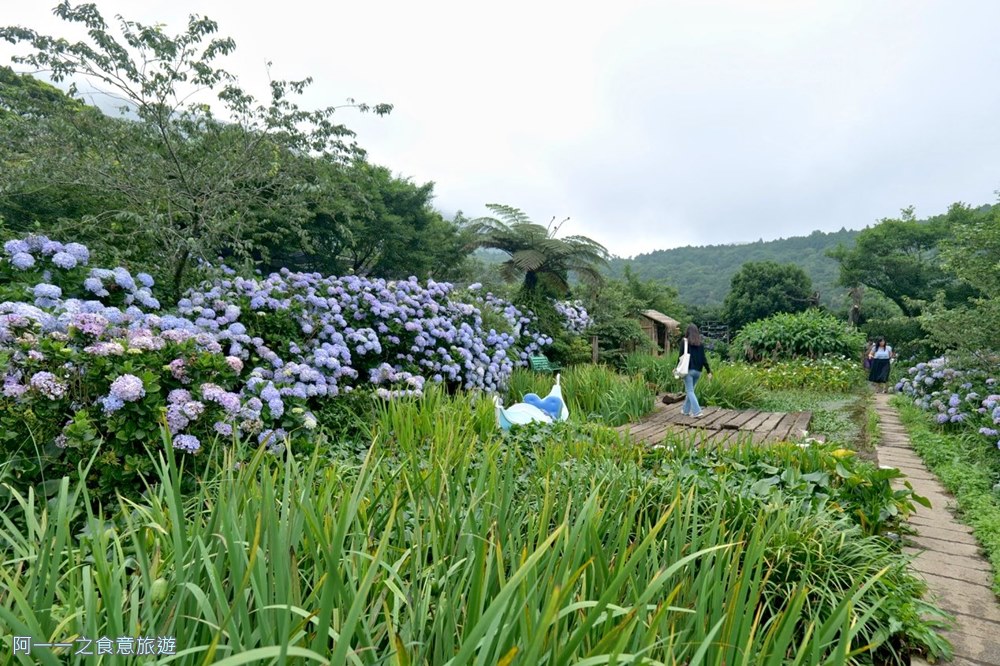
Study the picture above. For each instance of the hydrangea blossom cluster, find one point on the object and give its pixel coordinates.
(135, 290)
(576, 319)
(951, 395)
(344, 328)
(529, 340)
(126, 388)
(24, 254)
(282, 343)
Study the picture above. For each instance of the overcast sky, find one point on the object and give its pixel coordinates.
(650, 124)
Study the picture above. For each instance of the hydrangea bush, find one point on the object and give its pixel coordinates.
(956, 397)
(88, 355)
(576, 319)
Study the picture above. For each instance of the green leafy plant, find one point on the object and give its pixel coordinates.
(808, 334)
(448, 543)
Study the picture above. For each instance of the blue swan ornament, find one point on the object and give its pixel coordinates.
(520, 413)
(533, 410)
(553, 404)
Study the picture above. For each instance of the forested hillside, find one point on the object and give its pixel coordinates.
(701, 275)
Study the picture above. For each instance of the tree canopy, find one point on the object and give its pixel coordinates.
(760, 289)
(536, 256)
(900, 259)
(195, 166)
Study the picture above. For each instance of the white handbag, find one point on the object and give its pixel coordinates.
(683, 362)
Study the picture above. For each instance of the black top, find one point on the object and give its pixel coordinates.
(699, 361)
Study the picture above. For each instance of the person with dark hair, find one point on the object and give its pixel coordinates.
(696, 348)
(880, 356)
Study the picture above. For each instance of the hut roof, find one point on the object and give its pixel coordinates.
(661, 318)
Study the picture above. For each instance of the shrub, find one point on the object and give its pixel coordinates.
(90, 361)
(809, 334)
(827, 373)
(956, 397)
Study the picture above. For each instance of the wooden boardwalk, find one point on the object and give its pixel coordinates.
(719, 426)
(946, 553)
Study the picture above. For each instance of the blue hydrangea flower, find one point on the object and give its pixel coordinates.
(22, 261)
(187, 443)
(64, 260)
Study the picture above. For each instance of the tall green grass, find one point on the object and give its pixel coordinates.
(450, 544)
(731, 386)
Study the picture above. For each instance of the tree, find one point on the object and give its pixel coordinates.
(542, 261)
(187, 183)
(26, 103)
(972, 251)
(760, 289)
(655, 296)
(900, 259)
(366, 221)
(615, 307)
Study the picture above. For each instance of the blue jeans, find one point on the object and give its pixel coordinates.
(691, 405)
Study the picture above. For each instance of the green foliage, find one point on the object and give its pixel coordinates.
(825, 474)
(439, 537)
(44, 437)
(900, 259)
(808, 334)
(971, 331)
(592, 392)
(174, 181)
(567, 350)
(614, 307)
(365, 221)
(826, 373)
(972, 250)
(761, 289)
(702, 275)
(731, 386)
(841, 418)
(969, 468)
(972, 328)
(906, 335)
(537, 257)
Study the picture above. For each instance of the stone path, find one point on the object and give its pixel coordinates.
(947, 555)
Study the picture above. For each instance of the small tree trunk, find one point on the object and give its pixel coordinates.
(179, 270)
(854, 316)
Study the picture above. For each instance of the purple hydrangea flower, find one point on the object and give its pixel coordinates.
(187, 443)
(128, 388)
(178, 397)
(48, 385)
(79, 252)
(16, 246)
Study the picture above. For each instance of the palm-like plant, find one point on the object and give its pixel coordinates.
(544, 261)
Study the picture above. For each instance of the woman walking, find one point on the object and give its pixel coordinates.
(880, 356)
(695, 347)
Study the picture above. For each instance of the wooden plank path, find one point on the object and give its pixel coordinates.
(718, 425)
(946, 553)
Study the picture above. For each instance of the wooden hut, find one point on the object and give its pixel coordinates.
(660, 328)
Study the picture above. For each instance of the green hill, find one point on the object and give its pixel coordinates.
(701, 275)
